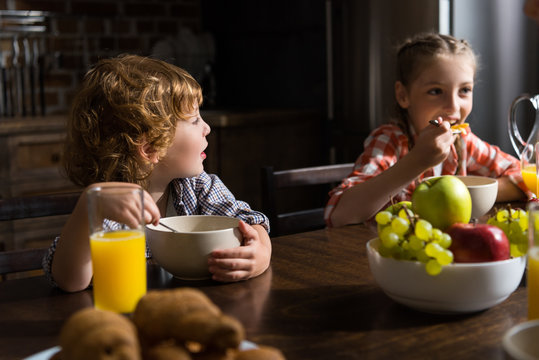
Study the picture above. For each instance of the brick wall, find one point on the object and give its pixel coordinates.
(81, 31)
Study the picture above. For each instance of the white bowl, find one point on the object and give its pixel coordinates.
(483, 191)
(520, 342)
(459, 288)
(185, 253)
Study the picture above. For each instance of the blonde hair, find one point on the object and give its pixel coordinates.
(416, 52)
(125, 102)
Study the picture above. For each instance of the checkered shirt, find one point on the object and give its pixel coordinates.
(202, 195)
(388, 143)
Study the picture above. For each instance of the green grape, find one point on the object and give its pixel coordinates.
(389, 238)
(445, 241)
(514, 223)
(423, 229)
(523, 222)
(436, 234)
(422, 256)
(445, 257)
(383, 217)
(400, 225)
(433, 267)
(416, 243)
(405, 236)
(406, 213)
(502, 215)
(433, 249)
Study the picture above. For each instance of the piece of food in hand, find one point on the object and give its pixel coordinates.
(443, 201)
(98, 335)
(478, 243)
(460, 128)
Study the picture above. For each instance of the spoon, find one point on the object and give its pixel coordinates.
(168, 227)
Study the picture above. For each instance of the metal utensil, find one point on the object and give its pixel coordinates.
(168, 227)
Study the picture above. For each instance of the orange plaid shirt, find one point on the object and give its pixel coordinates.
(388, 143)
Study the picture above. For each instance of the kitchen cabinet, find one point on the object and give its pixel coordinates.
(241, 142)
(32, 149)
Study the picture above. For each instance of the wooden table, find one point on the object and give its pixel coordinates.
(317, 301)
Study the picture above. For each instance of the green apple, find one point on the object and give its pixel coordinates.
(443, 201)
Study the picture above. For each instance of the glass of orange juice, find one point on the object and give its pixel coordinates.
(118, 249)
(529, 175)
(532, 281)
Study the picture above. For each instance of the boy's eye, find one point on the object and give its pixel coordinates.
(436, 91)
(195, 120)
(467, 90)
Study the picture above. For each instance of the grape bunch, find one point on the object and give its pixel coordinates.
(514, 223)
(404, 236)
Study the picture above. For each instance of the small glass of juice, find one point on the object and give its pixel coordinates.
(532, 281)
(118, 249)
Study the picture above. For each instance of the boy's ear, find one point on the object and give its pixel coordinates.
(401, 95)
(148, 153)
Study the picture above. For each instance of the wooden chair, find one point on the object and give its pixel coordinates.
(15, 261)
(305, 219)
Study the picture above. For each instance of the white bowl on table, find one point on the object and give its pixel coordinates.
(185, 253)
(483, 191)
(459, 288)
(520, 342)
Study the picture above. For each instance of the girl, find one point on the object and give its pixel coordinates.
(136, 120)
(435, 80)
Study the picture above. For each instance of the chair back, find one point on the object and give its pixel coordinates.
(24, 207)
(305, 219)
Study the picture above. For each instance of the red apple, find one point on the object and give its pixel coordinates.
(478, 243)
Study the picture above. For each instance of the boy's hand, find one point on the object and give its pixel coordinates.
(244, 262)
(125, 209)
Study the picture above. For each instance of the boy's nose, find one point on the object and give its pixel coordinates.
(207, 128)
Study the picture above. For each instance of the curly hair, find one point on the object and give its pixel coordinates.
(416, 52)
(125, 102)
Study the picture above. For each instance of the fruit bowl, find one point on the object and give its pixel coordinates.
(459, 288)
(185, 253)
(483, 191)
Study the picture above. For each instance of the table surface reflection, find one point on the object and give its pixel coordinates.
(318, 300)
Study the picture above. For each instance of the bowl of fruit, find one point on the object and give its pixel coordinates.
(440, 266)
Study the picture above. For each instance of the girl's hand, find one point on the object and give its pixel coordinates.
(433, 144)
(125, 209)
(244, 262)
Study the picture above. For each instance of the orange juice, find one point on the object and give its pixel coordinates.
(532, 283)
(530, 177)
(119, 264)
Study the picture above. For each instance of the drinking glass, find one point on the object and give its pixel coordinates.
(532, 281)
(118, 250)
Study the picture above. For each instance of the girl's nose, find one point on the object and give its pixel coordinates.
(451, 102)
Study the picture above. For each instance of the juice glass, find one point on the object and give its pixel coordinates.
(532, 281)
(118, 250)
(529, 175)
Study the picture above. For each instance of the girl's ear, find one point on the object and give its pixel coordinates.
(401, 95)
(148, 153)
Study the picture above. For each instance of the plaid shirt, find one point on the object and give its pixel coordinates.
(202, 195)
(388, 143)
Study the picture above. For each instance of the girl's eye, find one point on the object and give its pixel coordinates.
(466, 90)
(434, 91)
